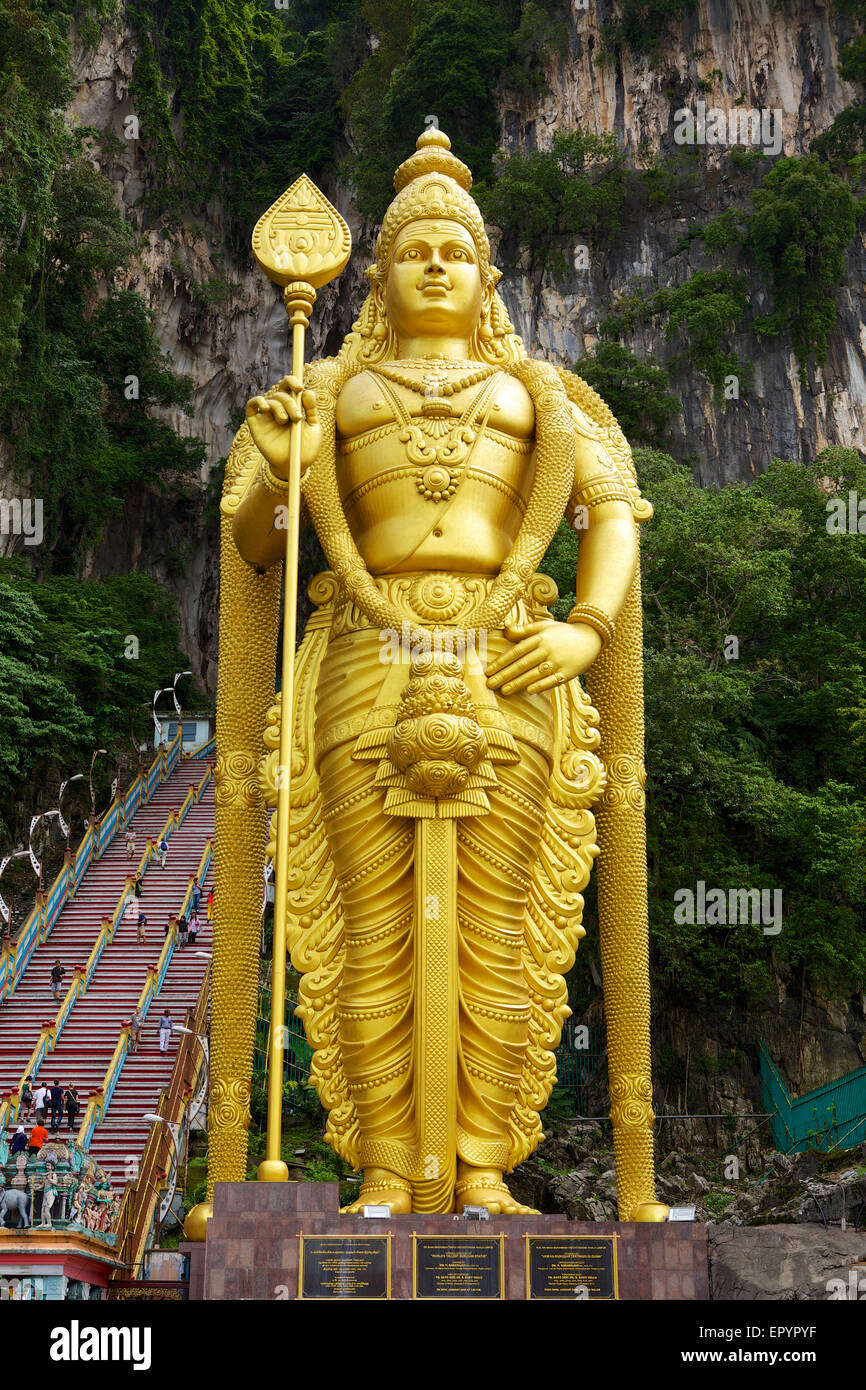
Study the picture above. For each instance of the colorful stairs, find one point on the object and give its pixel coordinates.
(88, 1040)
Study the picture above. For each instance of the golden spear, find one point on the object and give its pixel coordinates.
(301, 243)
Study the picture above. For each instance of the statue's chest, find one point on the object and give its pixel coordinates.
(409, 448)
(409, 460)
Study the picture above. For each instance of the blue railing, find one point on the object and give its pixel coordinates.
(173, 755)
(832, 1116)
(25, 944)
(107, 827)
(154, 777)
(83, 856)
(41, 920)
(132, 800)
(56, 898)
(203, 750)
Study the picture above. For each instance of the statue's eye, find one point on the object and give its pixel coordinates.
(458, 254)
(410, 255)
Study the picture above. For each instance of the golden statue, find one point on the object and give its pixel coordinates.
(444, 755)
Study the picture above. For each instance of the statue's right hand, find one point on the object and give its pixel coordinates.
(270, 418)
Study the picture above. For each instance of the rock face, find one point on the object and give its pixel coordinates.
(572, 1172)
(788, 1263)
(222, 324)
(751, 55)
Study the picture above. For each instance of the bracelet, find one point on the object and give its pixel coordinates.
(595, 618)
(271, 481)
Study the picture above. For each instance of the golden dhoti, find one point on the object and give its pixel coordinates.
(374, 856)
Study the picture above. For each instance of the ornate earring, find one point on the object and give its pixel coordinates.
(485, 331)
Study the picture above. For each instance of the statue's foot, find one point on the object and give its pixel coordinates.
(484, 1187)
(382, 1188)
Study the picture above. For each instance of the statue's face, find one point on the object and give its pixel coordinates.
(434, 281)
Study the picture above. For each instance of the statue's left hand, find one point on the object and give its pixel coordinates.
(544, 654)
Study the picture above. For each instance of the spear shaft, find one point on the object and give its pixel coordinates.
(299, 299)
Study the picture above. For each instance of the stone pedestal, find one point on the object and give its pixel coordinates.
(252, 1248)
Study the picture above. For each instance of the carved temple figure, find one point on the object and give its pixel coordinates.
(49, 1196)
(446, 758)
(79, 1197)
(15, 1202)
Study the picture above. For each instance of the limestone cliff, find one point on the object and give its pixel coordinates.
(752, 54)
(224, 326)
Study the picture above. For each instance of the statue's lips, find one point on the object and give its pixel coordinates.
(435, 291)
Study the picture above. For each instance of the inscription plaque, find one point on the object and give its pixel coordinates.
(575, 1267)
(458, 1267)
(344, 1267)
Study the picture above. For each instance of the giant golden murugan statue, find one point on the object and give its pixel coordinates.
(445, 756)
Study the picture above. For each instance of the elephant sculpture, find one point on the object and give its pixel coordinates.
(12, 1199)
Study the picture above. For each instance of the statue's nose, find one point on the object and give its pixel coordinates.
(435, 266)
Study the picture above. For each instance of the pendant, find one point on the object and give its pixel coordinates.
(437, 482)
(436, 408)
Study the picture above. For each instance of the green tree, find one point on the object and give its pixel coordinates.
(449, 68)
(70, 680)
(756, 775)
(574, 189)
(642, 25)
(637, 392)
(804, 217)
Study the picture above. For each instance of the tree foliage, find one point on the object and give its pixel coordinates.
(637, 392)
(67, 684)
(803, 218)
(576, 189)
(756, 775)
(643, 24)
(70, 343)
(257, 95)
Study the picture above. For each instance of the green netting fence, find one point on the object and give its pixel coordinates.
(830, 1117)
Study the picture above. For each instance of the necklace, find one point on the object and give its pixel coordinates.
(439, 464)
(434, 386)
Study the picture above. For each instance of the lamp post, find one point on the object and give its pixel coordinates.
(166, 690)
(97, 752)
(36, 860)
(5, 910)
(171, 1180)
(67, 829)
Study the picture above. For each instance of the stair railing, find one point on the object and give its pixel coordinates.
(202, 750)
(140, 1200)
(97, 1106)
(81, 977)
(814, 1120)
(36, 930)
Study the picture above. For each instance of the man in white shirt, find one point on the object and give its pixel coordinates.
(40, 1095)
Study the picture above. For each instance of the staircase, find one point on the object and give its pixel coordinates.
(86, 1045)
